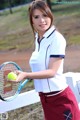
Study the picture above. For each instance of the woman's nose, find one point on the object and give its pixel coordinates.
(42, 19)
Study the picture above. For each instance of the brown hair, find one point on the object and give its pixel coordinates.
(43, 7)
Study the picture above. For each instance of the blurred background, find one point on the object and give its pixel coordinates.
(17, 41)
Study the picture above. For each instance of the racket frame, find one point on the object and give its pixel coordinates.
(20, 86)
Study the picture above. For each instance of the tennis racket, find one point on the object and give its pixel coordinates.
(9, 90)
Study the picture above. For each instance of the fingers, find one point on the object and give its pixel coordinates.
(20, 76)
(17, 72)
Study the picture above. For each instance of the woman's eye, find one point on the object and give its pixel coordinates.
(36, 16)
(44, 15)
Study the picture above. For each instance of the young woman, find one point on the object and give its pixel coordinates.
(46, 63)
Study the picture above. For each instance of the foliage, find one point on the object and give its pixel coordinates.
(12, 3)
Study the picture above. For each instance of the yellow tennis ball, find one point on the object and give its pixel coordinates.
(12, 76)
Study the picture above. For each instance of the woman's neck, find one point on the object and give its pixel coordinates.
(40, 35)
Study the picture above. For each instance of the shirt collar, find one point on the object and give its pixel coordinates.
(47, 33)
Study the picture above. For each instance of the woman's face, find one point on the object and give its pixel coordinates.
(41, 22)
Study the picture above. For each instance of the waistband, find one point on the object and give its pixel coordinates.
(50, 93)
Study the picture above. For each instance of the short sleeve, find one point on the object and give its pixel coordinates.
(58, 46)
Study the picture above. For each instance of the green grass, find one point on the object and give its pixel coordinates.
(74, 40)
(16, 32)
(66, 9)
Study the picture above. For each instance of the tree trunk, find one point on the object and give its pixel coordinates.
(10, 6)
(49, 3)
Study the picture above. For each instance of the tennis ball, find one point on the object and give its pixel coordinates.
(12, 76)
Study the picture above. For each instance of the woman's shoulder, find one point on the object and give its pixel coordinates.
(58, 39)
(59, 36)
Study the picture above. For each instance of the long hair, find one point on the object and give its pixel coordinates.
(43, 7)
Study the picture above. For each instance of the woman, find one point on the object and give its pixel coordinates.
(46, 63)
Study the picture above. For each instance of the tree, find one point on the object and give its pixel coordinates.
(10, 6)
(49, 3)
(2, 4)
(59, 0)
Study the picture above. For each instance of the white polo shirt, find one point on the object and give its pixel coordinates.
(52, 45)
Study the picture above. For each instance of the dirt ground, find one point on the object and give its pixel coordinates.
(71, 64)
(72, 59)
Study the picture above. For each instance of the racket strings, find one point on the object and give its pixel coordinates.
(7, 88)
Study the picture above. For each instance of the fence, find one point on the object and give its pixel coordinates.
(65, 2)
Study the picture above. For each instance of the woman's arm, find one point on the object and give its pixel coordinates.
(54, 65)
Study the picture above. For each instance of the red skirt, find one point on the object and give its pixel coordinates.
(62, 106)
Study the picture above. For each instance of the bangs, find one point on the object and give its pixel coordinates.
(42, 6)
